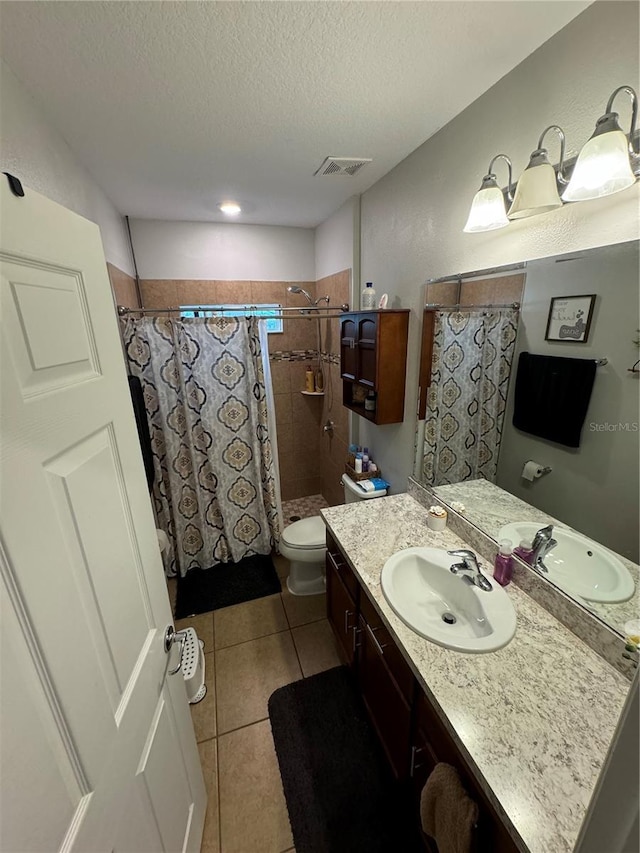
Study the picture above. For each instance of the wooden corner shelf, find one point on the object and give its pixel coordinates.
(373, 355)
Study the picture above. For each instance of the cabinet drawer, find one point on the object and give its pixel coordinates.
(397, 665)
(337, 562)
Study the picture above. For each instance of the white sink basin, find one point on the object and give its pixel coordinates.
(578, 565)
(427, 596)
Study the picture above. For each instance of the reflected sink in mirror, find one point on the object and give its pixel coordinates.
(445, 608)
(578, 565)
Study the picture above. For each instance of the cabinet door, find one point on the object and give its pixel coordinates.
(366, 347)
(348, 348)
(389, 711)
(341, 611)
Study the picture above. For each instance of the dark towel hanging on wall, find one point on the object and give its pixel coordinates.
(137, 399)
(552, 396)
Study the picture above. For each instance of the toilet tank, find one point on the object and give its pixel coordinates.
(353, 493)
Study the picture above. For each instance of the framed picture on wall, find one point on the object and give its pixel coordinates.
(570, 318)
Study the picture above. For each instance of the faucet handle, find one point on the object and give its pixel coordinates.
(466, 555)
(542, 535)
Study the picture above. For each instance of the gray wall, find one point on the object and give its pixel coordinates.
(593, 488)
(412, 219)
(32, 149)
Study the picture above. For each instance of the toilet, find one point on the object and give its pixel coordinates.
(303, 543)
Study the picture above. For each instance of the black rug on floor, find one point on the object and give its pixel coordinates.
(202, 590)
(340, 793)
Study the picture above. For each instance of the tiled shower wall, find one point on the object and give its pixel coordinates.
(333, 446)
(123, 287)
(497, 290)
(310, 461)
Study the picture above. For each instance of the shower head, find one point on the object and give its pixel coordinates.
(295, 289)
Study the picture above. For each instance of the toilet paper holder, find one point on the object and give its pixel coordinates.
(533, 470)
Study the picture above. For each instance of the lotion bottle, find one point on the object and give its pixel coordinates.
(503, 566)
(524, 551)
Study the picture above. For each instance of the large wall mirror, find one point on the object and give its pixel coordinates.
(529, 414)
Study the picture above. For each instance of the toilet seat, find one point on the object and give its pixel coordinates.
(308, 534)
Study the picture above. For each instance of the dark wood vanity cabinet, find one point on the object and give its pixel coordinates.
(373, 357)
(411, 732)
(342, 603)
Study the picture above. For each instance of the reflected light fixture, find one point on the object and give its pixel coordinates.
(537, 190)
(488, 210)
(230, 208)
(604, 164)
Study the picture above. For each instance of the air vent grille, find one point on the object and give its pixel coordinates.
(348, 166)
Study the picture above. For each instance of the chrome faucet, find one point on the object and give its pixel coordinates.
(542, 543)
(469, 569)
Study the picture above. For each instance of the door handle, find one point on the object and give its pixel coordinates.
(347, 614)
(375, 639)
(356, 644)
(415, 750)
(171, 636)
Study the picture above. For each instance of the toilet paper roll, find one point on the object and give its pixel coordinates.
(532, 470)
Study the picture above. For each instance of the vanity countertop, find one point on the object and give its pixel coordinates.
(535, 718)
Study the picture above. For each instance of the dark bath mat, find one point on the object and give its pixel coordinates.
(202, 590)
(340, 793)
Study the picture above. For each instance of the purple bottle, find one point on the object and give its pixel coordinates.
(503, 566)
(524, 551)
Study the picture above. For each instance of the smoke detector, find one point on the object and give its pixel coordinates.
(348, 166)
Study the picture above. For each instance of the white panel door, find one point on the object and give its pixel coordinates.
(98, 750)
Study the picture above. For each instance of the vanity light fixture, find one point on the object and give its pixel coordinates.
(604, 164)
(537, 190)
(488, 210)
(230, 208)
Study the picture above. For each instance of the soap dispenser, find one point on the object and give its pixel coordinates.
(503, 566)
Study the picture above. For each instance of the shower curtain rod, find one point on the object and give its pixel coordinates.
(302, 313)
(434, 306)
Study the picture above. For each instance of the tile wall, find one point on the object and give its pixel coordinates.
(308, 458)
(333, 447)
(499, 290)
(123, 286)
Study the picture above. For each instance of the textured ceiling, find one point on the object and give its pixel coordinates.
(176, 106)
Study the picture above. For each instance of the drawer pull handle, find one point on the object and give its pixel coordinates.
(375, 639)
(415, 750)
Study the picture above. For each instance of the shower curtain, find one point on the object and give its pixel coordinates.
(471, 364)
(215, 491)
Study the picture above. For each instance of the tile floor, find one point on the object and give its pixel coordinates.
(251, 650)
(303, 507)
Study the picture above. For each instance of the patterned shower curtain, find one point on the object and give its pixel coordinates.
(472, 357)
(215, 491)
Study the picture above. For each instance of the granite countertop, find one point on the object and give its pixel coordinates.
(489, 507)
(535, 718)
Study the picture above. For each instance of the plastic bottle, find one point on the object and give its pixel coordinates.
(309, 380)
(503, 566)
(365, 459)
(319, 378)
(368, 297)
(358, 464)
(524, 551)
(370, 402)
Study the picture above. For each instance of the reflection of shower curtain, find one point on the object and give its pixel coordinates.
(215, 491)
(472, 357)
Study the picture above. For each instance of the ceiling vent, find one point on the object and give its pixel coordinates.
(348, 166)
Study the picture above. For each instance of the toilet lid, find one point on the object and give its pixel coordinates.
(306, 533)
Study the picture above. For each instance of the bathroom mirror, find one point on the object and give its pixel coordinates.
(483, 333)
